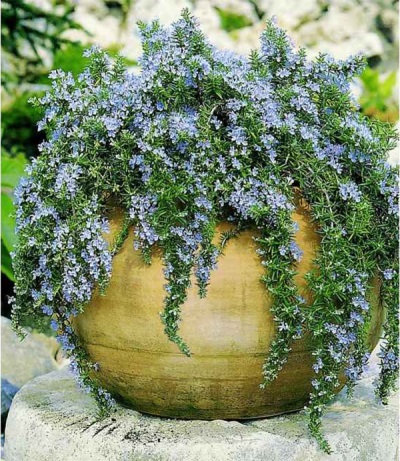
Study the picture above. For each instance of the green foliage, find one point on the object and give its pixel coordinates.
(231, 21)
(124, 6)
(27, 32)
(377, 98)
(12, 169)
(19, 125)
(7, 222)
(114, 52)
(6, 264)
(70, 59)
(26, 29)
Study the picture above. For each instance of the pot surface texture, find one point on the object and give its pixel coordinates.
(228, 333)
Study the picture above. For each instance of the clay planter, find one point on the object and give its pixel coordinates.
(228, 333)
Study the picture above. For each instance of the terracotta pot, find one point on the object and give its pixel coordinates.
(228, 333)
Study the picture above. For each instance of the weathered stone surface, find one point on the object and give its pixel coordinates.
(51, 420)
(22, 361)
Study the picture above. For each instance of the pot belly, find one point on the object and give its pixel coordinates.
(228, 333)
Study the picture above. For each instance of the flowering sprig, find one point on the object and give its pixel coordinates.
(201, 136)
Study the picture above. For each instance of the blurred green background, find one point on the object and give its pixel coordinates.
(39, 35)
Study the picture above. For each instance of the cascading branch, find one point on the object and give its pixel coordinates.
(198, 136)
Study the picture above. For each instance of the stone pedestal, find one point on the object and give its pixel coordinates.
(51, 420)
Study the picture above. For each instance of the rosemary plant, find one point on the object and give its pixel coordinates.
(202, 135)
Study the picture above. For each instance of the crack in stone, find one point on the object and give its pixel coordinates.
(90, 425)
(113, 429)
(102, 429)
(75, 422)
